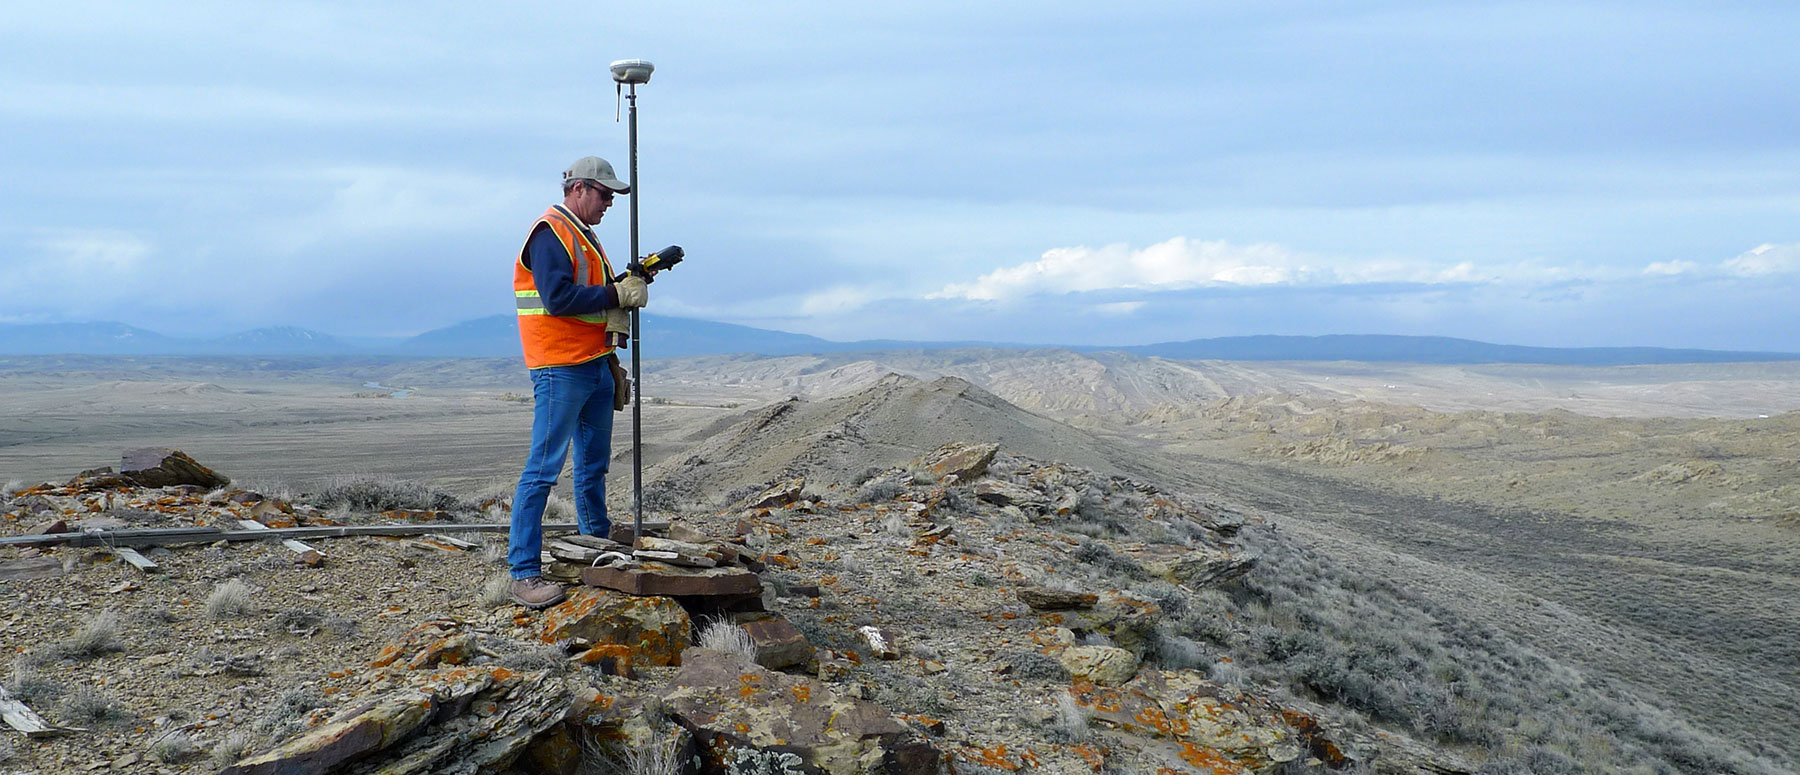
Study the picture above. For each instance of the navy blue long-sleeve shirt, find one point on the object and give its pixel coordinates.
(553, 273)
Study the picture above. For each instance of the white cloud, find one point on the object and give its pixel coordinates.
(1176, 263)
(1181, 263)
(1765, 260)
(1670, 267)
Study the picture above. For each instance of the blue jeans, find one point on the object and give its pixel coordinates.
(569, 403)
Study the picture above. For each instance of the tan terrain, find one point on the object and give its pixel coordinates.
(1634, 526)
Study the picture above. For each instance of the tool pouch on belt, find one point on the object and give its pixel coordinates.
(618, 326)
(621, 383)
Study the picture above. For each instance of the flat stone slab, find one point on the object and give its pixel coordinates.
(654, 578)
(31, 568)
(959, 459)
(778, 644)
(1045, 599)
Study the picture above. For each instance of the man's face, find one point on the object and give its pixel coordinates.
(591, 201)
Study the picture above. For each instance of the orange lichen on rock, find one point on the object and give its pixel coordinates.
(1213, 761)
(1089, 754)
(993, 758)
(1100, 698)
(1154, 718)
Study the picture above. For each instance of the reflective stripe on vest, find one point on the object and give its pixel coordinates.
(530, 303)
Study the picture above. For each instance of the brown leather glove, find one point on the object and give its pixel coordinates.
(618, 326)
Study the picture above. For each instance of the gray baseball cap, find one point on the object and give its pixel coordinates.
(598, 170)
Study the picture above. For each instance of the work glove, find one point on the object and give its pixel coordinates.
(633, 292)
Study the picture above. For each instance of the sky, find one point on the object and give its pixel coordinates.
(1544, 173)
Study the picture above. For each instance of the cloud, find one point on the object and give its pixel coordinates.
(1765, 260)
(1175, 264)
(1182, 264)
(1670, 267)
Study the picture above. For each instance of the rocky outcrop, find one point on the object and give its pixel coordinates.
(780, 494)
(1044, 599)
(1104, 665)
(454, 720)
(654, 629)
(746, 719)
(1127, 621)
(436, 642)
(163, 467)
(1195, 567)
(959, 459)
(1002, 493)
(1199, 724)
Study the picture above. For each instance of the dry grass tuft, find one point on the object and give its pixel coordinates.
(496, 591)
(92, 707)
(228, 751)
(32, 687)
(494, 552)
(283, 718)
(1070, 722)
(100, 636)
(174, 748)
(661, 757)
(232, 598)
(550, 658)
(559, 509)
(381, 493)
(724, 635)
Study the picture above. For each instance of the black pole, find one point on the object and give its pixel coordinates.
(637, 374)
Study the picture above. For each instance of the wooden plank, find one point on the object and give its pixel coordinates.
(31, 568)
(170, 536)
(299, 548)
(21, 718)
(307, 554)
(456, 542)
(138, 561)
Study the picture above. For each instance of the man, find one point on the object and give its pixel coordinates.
(571, 317)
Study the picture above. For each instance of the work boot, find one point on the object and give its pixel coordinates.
(534, 592)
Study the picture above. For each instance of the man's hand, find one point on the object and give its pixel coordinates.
(633, 292)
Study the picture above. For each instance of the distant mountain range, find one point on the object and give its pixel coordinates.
(673, 337)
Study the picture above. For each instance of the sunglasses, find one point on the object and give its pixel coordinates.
(605, 193)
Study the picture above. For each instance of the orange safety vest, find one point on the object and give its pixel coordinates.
(561, 340)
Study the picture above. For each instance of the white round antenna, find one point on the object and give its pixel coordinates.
(632, 71)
